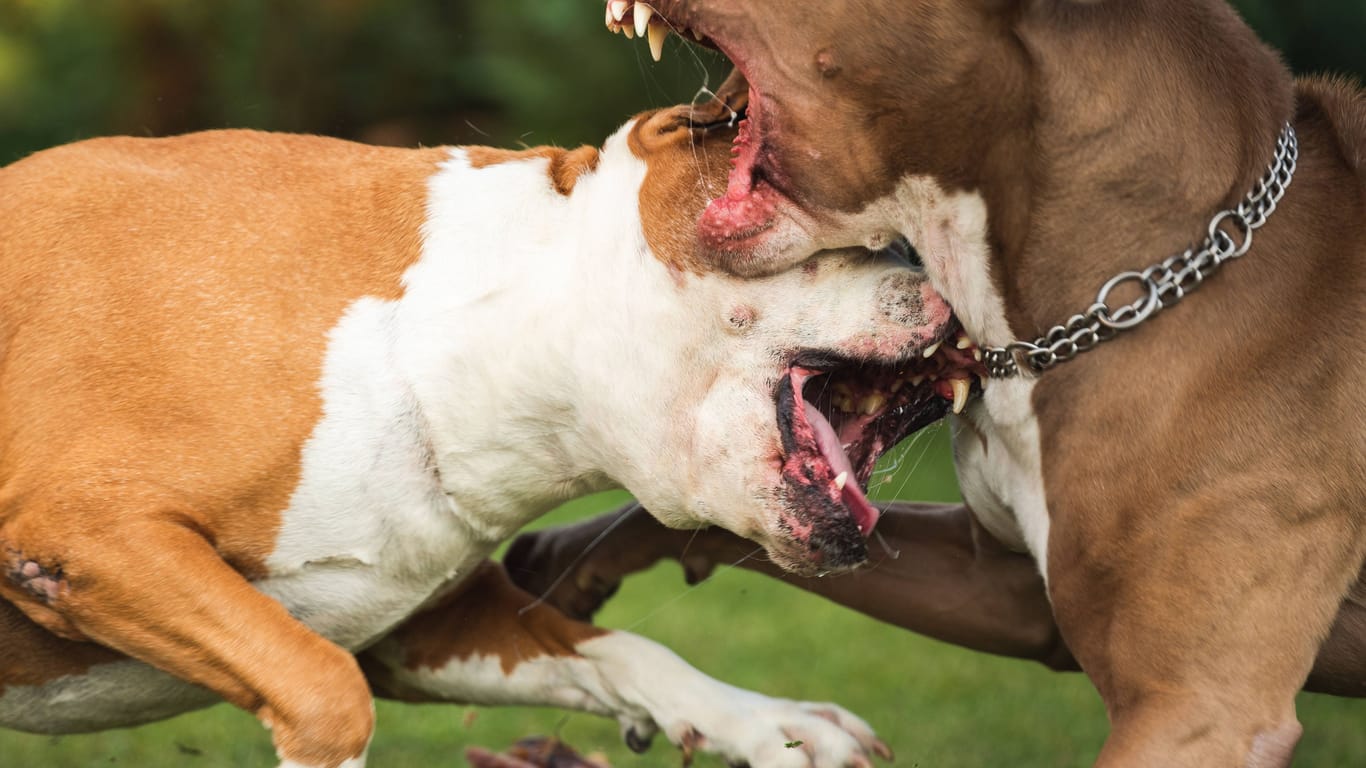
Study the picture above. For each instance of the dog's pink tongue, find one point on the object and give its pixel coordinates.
(865, 514)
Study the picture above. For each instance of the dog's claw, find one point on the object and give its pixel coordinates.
(689, 742)
(636, 742)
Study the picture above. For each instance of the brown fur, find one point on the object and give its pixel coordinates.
(486, 616)
(253, 244)
(674, 193)
(1208, 513)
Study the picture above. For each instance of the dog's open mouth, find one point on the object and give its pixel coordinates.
(754, 191)
(837, 417)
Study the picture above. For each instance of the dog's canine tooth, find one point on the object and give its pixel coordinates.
(960, 394)
(657, 32)
(872, 403)
(642, 13)
(963, 341)
(618, 9)
(841, 479)
(931, 349)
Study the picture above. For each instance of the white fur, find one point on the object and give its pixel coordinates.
(1000, 476)
(648, 688)
(539, 353)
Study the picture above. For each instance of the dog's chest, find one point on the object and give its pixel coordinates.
(369, 535)
(996, 441)
(996, 453)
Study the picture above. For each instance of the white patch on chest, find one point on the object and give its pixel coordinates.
(998, 460)
(368, 535)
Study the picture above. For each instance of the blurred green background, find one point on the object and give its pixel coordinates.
(456, 72)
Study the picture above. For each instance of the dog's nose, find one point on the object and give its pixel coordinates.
(835, 544)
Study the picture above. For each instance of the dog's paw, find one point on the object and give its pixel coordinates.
(761, 732)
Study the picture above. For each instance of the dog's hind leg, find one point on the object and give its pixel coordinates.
(149, 584)
(491, 643)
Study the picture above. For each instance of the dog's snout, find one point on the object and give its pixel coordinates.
(899, 300)
(906, 298)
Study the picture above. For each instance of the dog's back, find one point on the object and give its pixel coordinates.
(223, 273)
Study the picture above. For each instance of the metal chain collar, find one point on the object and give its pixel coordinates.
(1230, 236)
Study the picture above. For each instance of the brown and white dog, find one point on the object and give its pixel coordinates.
(269, 401)
(1192, 491)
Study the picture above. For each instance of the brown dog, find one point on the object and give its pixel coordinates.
(1191, 491)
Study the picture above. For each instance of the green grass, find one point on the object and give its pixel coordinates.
(938, 706)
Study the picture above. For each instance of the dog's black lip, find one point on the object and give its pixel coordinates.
(824, 360)
(786, 400)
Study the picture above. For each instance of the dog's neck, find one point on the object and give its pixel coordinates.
(556, 301)
(1126, 150)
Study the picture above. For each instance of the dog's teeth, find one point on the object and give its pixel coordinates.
(963, 341)
(658, 33)
(607, 14)
(629, 31)
(697, 36)
(642, 13)
(977, 354)
(917, 379)
(931, 349)
(844, 403)
(872, 404)
(896, 385)
(618, 9)
(960, 394)
(841, 479)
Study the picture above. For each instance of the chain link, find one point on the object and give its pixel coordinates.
(1162, 285)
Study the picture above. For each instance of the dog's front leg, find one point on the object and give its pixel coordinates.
(150, 585)
(937, 572)
(492, 643)
(1199, 621)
